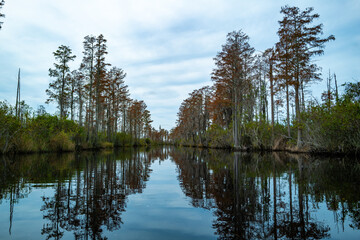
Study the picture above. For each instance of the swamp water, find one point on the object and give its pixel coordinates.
(174, 193)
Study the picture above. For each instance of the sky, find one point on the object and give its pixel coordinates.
(166, 47)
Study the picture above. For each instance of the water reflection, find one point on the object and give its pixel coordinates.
(90, 189)
(251, 196)
(270, 196)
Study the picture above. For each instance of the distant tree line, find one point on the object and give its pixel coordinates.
(250, 90)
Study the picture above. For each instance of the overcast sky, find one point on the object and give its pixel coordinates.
(166, 47)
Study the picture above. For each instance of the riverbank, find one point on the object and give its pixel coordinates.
(66, 147)
(281, 145)
(47, 133)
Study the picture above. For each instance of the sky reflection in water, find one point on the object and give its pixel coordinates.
(178, 194)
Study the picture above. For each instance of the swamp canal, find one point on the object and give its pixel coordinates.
(178, 193)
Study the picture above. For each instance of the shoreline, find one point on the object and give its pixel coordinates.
(294, 150)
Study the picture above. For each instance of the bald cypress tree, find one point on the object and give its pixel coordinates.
(99, 79)
(269, 55)
(59, 89)
(87, 67)
(116, 92)
(233, 68)
(78, 91)
(299, 42)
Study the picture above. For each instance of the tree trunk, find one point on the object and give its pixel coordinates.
(62, 96)
(109, 127)
(288, 110)
(72, 98)
(124, 119)
(90, 115)
(302, 97)
(235, 122)
(272, 101)
(336, 90)
(97, 104)
(80, 107)
(298, 118)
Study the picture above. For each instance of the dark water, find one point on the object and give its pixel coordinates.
(178, 194)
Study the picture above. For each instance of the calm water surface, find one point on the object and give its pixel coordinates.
(179, 194)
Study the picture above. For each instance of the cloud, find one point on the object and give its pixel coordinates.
(166, 47)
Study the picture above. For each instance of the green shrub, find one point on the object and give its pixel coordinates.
(9, 127)
(106, 145)
(25, 143)
(335, 129)
(219, 137)
(142, 142)
(61, 142)
(257, 135)
(123, 140)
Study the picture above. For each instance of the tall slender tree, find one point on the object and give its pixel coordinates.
(303, 41)
(87, 68)
(78, 92)
(100, 73)
(115, 92)
(261, 85)
(233, 67)
(59, 89)
(270, 60)
(284, 54)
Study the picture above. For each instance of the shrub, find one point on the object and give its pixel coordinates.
(61, 142)
(123, 140)
(9, 127)
(219, 137)
(107, 145)
(335, 129)
(258, 134)
(24, 142)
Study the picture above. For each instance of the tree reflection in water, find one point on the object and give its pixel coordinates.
(252, 196)
(95, 199)
(90, 190)
(268, 196)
